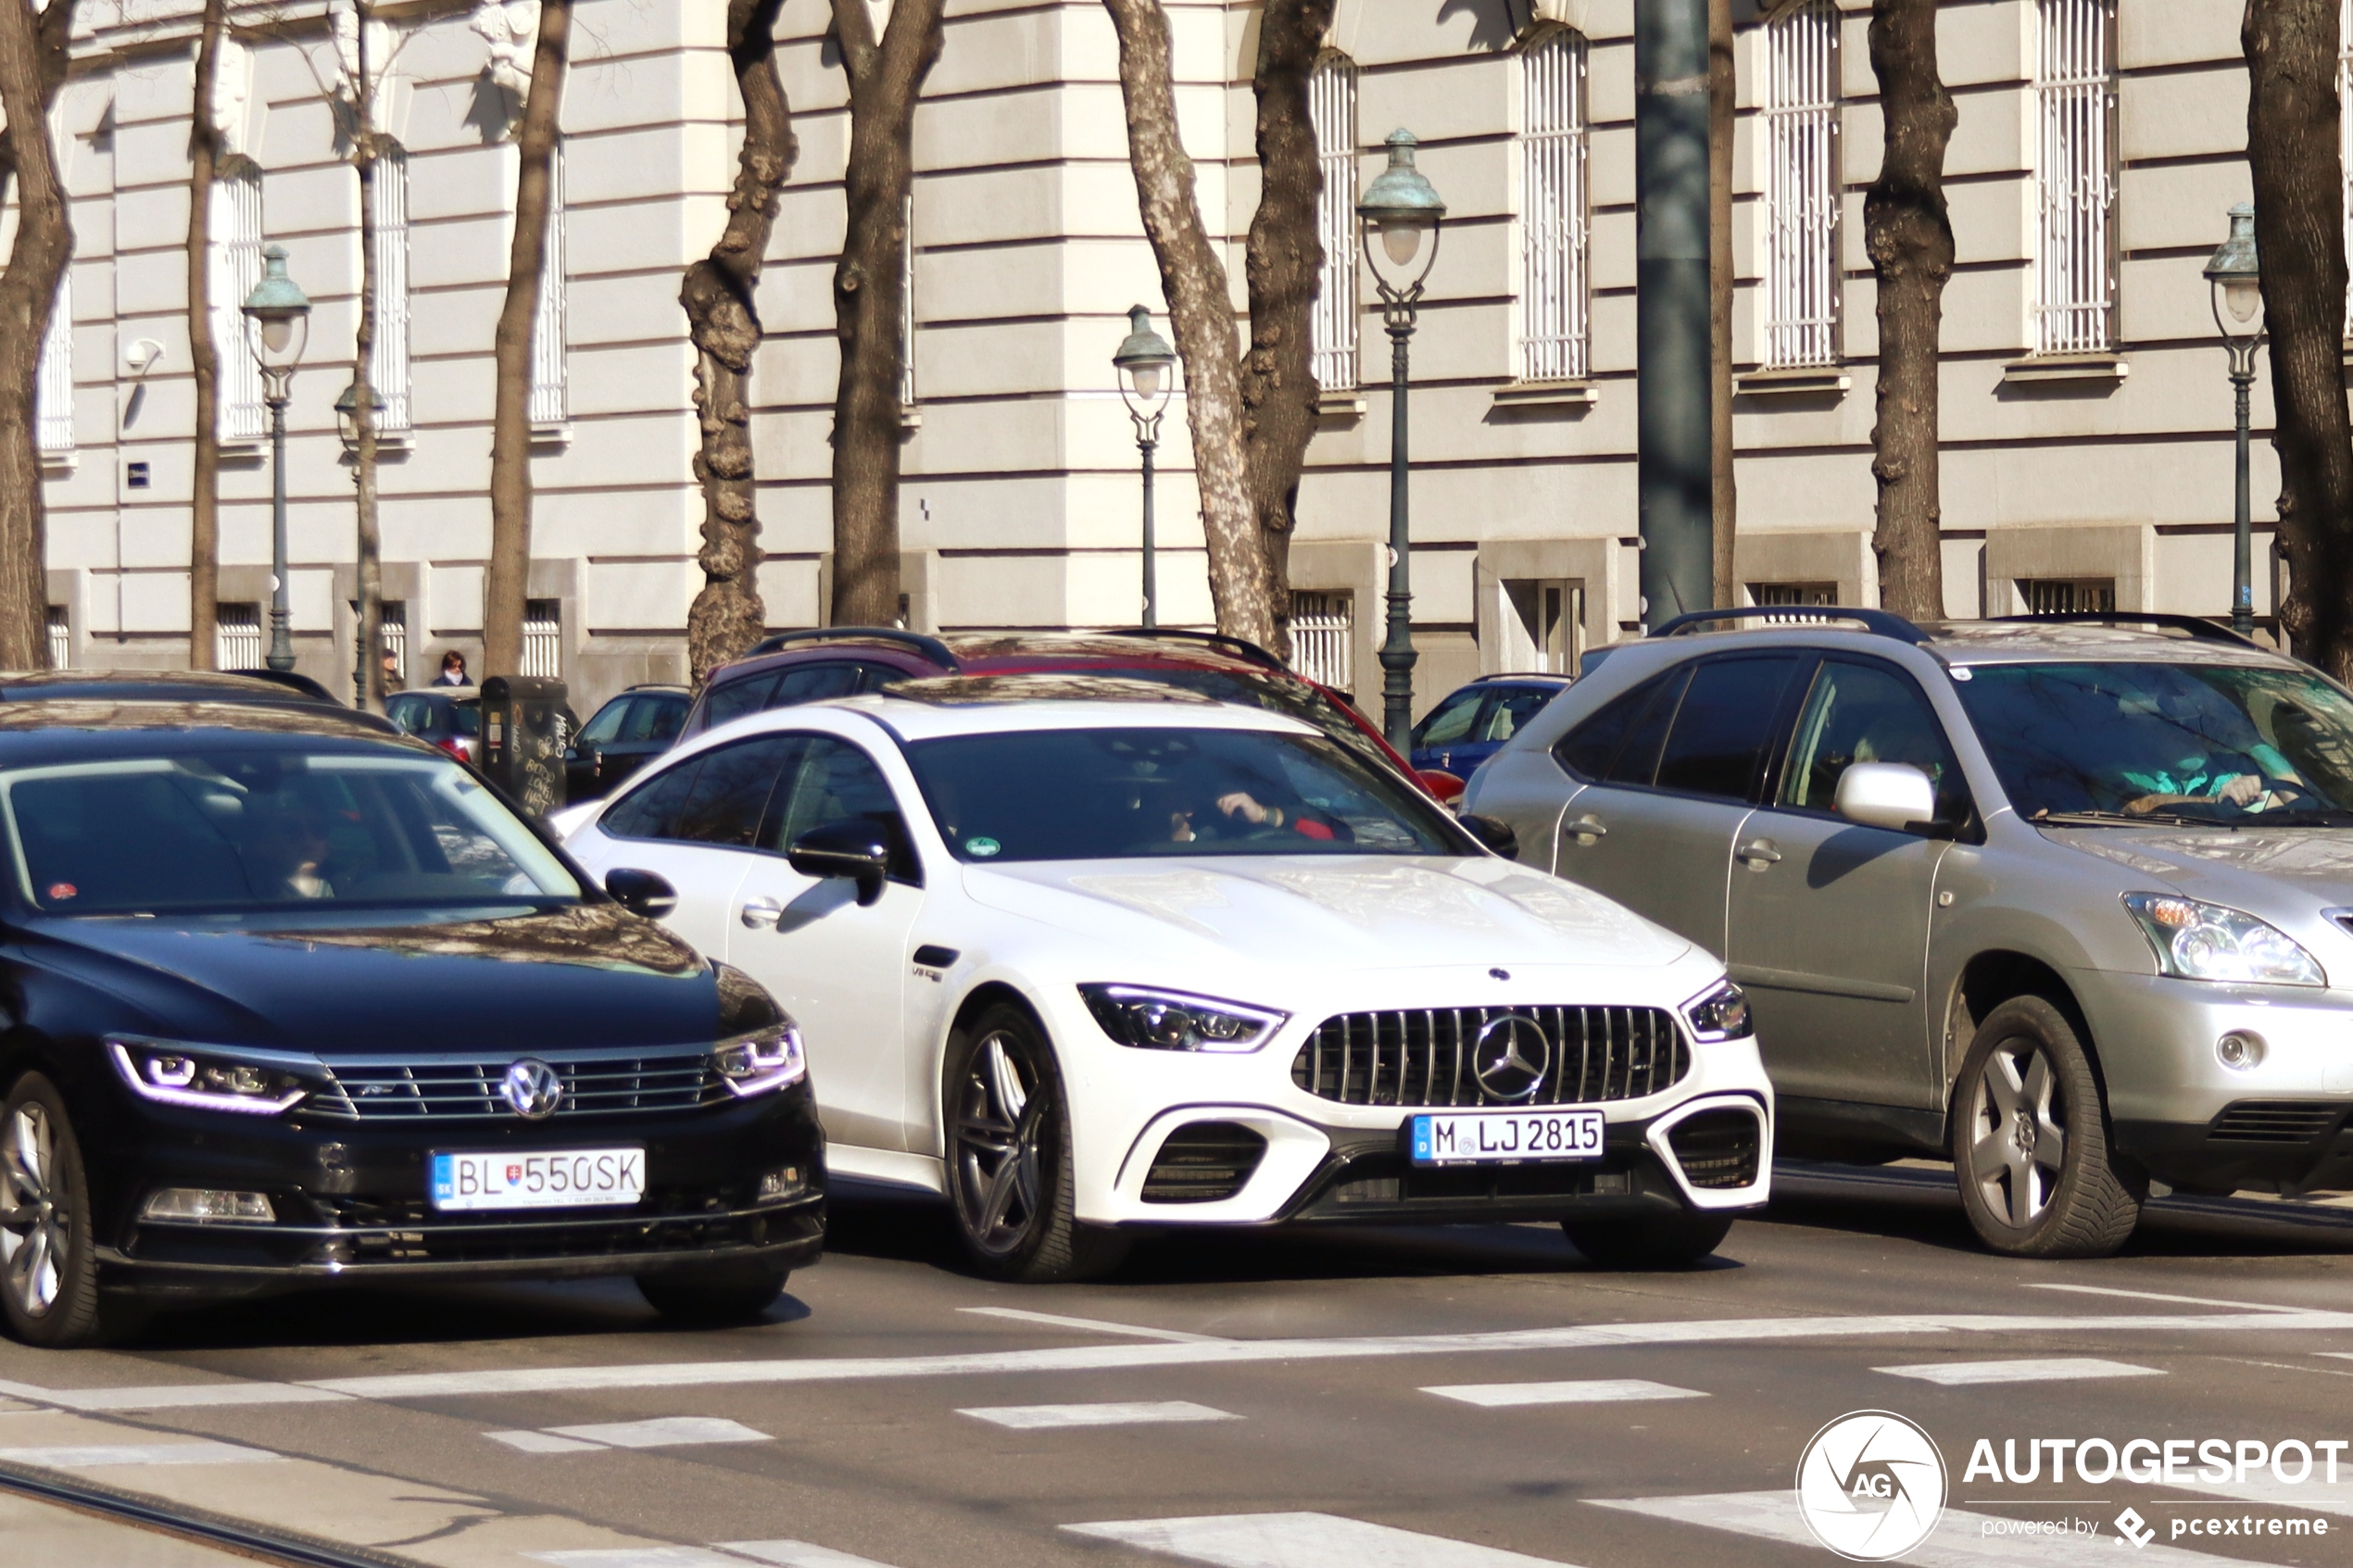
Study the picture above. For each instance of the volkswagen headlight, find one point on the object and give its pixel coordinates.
(2195, 941)
(254, 1083)
(1171, 1021)
(764, 1059)
(1719, 1014)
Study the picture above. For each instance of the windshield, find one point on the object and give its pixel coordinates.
(2204, 742)
(253, 830)
(1110, 794)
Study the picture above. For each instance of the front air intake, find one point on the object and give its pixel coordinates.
(1717, 1148)
(1203, 1162)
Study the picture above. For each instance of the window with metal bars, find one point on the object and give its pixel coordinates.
(1323, 635)
(236, 268)
(2067, 595)
(1775, 593)
(2074, 309)
(388, 364)
(53, 382)
(60, 637)
(543, 638)
(907, 303)
(1801, 293)
(237, 637)
(1331, 105)
(1553, 316)
(551, 330)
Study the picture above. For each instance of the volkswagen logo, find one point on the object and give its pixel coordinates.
(531, 1089)
(1511, 1056)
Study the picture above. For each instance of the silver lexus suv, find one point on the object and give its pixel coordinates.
(2067, 901)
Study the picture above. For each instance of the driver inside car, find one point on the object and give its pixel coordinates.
(2240, 770)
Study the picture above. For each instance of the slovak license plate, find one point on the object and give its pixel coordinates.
(554, 1179)
(1497, 1137)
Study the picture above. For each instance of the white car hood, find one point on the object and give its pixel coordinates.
(1354, 913)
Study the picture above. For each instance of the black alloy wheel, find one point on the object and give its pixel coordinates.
(2030, 1147)
(1009, 1157)
(48, 1273)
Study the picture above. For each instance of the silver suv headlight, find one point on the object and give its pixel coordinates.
(2196, 941)
(1719, 1013)
(1171, 1021)
(253, 1082)
(764, 1060)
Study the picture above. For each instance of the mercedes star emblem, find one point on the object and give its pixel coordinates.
(1511, 1056)
(532, 1089)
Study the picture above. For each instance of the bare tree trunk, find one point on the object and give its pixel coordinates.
(724, 321)
(1909, 237)
(1200, 310)
(2294, 154)
(30, 65)
(1721, 89)
(54, 29)
(1283, 267)
(204, 356)
(507, 583)
(870, 300)
(369, 678)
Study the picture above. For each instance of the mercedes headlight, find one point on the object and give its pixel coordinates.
(1719, 1014)
(2195, 941)
(764, 1059)
(254, 1083)
(1171, 1021)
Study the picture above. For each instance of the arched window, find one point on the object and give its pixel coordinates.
(1801, 296)
(1552, 227)
(2075, 177)
(1331, 106)
(236, 269)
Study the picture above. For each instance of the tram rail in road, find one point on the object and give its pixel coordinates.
(196, 1525)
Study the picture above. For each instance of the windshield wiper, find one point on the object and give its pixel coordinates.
(2094, 819)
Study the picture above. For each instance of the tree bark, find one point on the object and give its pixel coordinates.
(723, 318)
(2294, 155)
(369, 676)
(1721, 89)
(204, 356)
(885, 79)
(1283, 269)
(1200, 310)
(507, 583)
(50, 39)
(1909, 237)
(32, 64)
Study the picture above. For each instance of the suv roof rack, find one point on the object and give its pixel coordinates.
(2197, 626)
(1880, 622)
(930, 647)
(1238, 646)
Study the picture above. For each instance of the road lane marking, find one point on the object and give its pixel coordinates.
(1093, 1325)
(1959, 1541)
(797, 1554)
(1498, 1396)
(668, 1432)
(639, 1557)
(542, 1443)
(2053, 1369)
(1143, 1358)
(2160, 1296)
(90, 1456)
(1038, 1418)
(1303, 1540)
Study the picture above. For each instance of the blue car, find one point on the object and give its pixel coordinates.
(1472, 724)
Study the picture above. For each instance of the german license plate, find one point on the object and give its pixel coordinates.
(1502, 1137)
(555, 1179)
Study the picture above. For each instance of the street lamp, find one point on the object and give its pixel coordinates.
(1402, 210)
(2237, 281)
(1143, 363)
(347, 418)
(277, 325)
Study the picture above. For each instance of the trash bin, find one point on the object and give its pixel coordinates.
(526, 726)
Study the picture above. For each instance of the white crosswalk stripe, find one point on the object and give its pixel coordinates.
(91, 1456)
(669, 1432)
(639, 1557)
(797, 1554)
(1032, 1418)
(1596, 1391)
(2055, 1369)
(1302, 1540)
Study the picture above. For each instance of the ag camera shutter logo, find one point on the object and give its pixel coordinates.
(1870, 1485)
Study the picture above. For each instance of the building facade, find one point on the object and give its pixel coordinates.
(2086, 417)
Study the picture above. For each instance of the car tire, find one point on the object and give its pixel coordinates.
(713, 1295)
(1679, 1243)
(48, 1264)
(2038, 1174)
(1009, 1157)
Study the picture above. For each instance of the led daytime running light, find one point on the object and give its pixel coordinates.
(764, 1060)
(254, 1083)
(1719, 1013)
(1174, 1021)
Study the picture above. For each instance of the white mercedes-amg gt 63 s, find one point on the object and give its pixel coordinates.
(1086, 957)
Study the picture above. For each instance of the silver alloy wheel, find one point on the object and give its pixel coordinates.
(33, 1230)
(1000, 1118)
(2018, 1144)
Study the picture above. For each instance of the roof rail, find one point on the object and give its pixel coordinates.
(2197, 626)
(930, 647)
(1880, 622)
(1238, 646)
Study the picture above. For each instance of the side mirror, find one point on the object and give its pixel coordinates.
(858, 851)
(1494, 832)
(641, 893)
(1443, 786)
(1895, 796)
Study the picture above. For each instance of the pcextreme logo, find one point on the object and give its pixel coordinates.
(1870, 1485)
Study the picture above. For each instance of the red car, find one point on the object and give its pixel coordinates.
(794, 667)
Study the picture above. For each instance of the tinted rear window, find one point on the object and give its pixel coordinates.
(1723, 726)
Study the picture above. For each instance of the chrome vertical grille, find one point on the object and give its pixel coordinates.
(1426, 1056)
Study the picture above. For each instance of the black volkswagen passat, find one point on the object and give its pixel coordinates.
(284, 1000)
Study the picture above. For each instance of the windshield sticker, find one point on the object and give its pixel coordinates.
(984, 848)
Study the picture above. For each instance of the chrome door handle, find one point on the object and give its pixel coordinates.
(1587, 829)
(760, 914)
(1757, 853)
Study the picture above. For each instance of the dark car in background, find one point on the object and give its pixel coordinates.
(446, 717)
(298, 1003)
(261, 688)
(623, 736)
(1474, 721)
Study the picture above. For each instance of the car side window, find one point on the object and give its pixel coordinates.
(1867, 713)
(838, 782)
(1509, 710)
(1590, 748)
(813, 683)
(663, 718)
(727, 701)
(879, 677)
(1452, 723)
(1636, 761)
(606, 726)
(648, 810)
(1724, 724)
(408, 717)
(731, 793)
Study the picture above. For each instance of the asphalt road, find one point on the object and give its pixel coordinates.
(1359, 1398)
